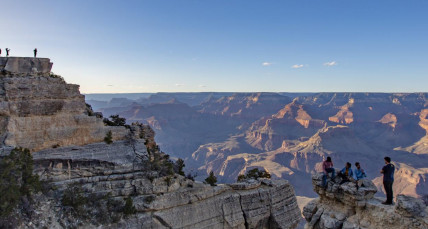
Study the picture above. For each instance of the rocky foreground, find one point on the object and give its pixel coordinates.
(171, 201)
(343, 206)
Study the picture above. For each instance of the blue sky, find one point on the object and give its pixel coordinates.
(291, 46)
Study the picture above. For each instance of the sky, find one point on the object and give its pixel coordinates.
(225, 45)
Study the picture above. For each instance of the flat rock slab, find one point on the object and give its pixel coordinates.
(25, 65)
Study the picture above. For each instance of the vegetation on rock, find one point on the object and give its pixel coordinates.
(179, 165)
(109, 137)
(17, 182)
(254, 174)
(211, 179)
(115, 120)
(129, 208)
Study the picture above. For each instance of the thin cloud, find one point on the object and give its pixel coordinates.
(266, 64)
(179, 85)
(298, 66)
(202, 85)
(329, 64)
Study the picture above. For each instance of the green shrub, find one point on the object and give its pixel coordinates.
(73, 197)
(254, 174)
(115, 120)
(109, 137)
(16, 179)
(129, 208)
(211, 179)
(179, 165)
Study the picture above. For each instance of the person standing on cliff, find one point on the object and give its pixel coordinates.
(327, 167)
(0, 52)
(35, 52)
(7, 52)
(388, 179)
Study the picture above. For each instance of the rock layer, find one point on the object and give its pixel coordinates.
(39, 110)
(345, 206)
(161, 202)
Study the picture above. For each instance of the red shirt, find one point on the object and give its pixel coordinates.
(326, 165)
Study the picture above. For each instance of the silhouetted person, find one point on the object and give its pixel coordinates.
(388, 179)
(7, 51)
(346, 173)
(359, 174)
(35, 52)
(327, 167)
(0, 52)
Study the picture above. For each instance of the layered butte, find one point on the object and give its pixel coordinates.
(40, 110)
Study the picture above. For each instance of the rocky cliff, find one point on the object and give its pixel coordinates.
(345, 206)
(40, 110)
(130, 183)
(111, 174)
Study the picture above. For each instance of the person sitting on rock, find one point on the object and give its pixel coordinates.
(359, 174)
(327, 167)
(346, 173)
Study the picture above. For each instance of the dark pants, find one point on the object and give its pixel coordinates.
(388, 189)
(324, 178)
(344, 178)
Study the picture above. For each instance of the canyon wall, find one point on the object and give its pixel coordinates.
(39, 110)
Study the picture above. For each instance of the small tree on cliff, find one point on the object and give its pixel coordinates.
(178, 166)
(109, 137)
(211, 179)
(16, 179)
(115, 120)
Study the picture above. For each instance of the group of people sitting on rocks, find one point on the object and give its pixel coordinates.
(8, 50)
(347, 175)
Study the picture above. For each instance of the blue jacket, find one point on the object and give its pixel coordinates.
(359, 174)
(350, 173)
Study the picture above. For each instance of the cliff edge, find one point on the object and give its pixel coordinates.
(39, 110)
(128, 183)
(345, 206)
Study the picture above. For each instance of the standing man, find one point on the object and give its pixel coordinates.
(0, 52)
(35, 52)
(7, 51)
(388, 180)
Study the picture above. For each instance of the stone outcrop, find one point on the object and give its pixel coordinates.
(160, 201)
(24, 66)
(40, 110)
(345, 206)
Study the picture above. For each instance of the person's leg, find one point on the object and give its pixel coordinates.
(324, 180)
(389, 194)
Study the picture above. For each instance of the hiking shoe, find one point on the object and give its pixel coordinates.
(386, 203)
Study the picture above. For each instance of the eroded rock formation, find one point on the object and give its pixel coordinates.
(345, 206)
(40, 110)
(160, 201)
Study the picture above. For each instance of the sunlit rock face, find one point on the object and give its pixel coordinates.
(40, 110)
(345, 206)
(24, 66)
